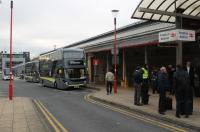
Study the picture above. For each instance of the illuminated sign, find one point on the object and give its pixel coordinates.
(75, 62)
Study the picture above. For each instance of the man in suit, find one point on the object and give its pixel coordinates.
(181, 88)
(190, 70)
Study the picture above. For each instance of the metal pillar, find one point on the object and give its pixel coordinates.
(179, 53)
(10, 83)
(145, 55)
(179, 48)
(123, 66)
(115, 58)
(107, 62)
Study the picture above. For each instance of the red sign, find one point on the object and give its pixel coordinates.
(173, 34)
(95, 62)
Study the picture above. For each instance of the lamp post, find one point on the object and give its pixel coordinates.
(10, 84)
(115, 13)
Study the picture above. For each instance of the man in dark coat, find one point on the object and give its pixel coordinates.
(190, 70)
(163, 85)
(197, 81)
(181, 89)
(170, 71)
(137, 80)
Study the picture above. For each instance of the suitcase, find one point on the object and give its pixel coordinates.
(168, 105)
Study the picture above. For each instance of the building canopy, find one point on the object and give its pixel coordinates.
(167, 10)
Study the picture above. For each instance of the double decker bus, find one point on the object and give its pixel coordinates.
(32, 71)
(63, 68)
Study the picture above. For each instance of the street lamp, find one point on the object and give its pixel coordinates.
(115, 13)
(10, 84)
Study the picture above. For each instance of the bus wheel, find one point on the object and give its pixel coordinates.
(43, 83)
(55, 85)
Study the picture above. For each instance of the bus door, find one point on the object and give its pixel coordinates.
(59, 83)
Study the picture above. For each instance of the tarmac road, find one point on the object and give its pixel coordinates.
(77, 114)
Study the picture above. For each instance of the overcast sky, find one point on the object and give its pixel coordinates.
(38, 25)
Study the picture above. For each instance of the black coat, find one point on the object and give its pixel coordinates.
(181, 85)
(137, 77)
(163, 82)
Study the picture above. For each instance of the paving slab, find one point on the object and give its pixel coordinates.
(19, 115)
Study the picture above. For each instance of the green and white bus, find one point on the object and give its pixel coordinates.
(63, 68)
(32, 71)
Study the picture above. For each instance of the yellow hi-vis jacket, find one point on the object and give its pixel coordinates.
(145, 75)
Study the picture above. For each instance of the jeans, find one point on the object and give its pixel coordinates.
(137, 93)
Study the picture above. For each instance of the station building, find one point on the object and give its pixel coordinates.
(18, 59)
(138, 43)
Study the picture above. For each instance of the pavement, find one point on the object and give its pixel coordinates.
(19, 115)
(125, 99)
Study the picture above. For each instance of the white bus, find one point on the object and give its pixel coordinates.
(6, 74)
(18, 58)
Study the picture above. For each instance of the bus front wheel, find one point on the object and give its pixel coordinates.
(43, 83)
(55, 85)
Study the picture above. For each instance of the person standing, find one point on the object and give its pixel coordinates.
(137, 81)
(145, 85)
(109, 81)
(170, 72)
(181, 90)
(197, 87)
(154, 78)
(163, 85)
(190, 70)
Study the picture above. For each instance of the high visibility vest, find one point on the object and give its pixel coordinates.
(145, 75)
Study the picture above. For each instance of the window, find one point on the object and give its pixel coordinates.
(75, 73)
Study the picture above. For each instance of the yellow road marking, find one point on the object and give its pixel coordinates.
(47, 117)
(54, 119)
(150, 121)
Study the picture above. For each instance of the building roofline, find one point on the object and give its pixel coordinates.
(133, 25)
